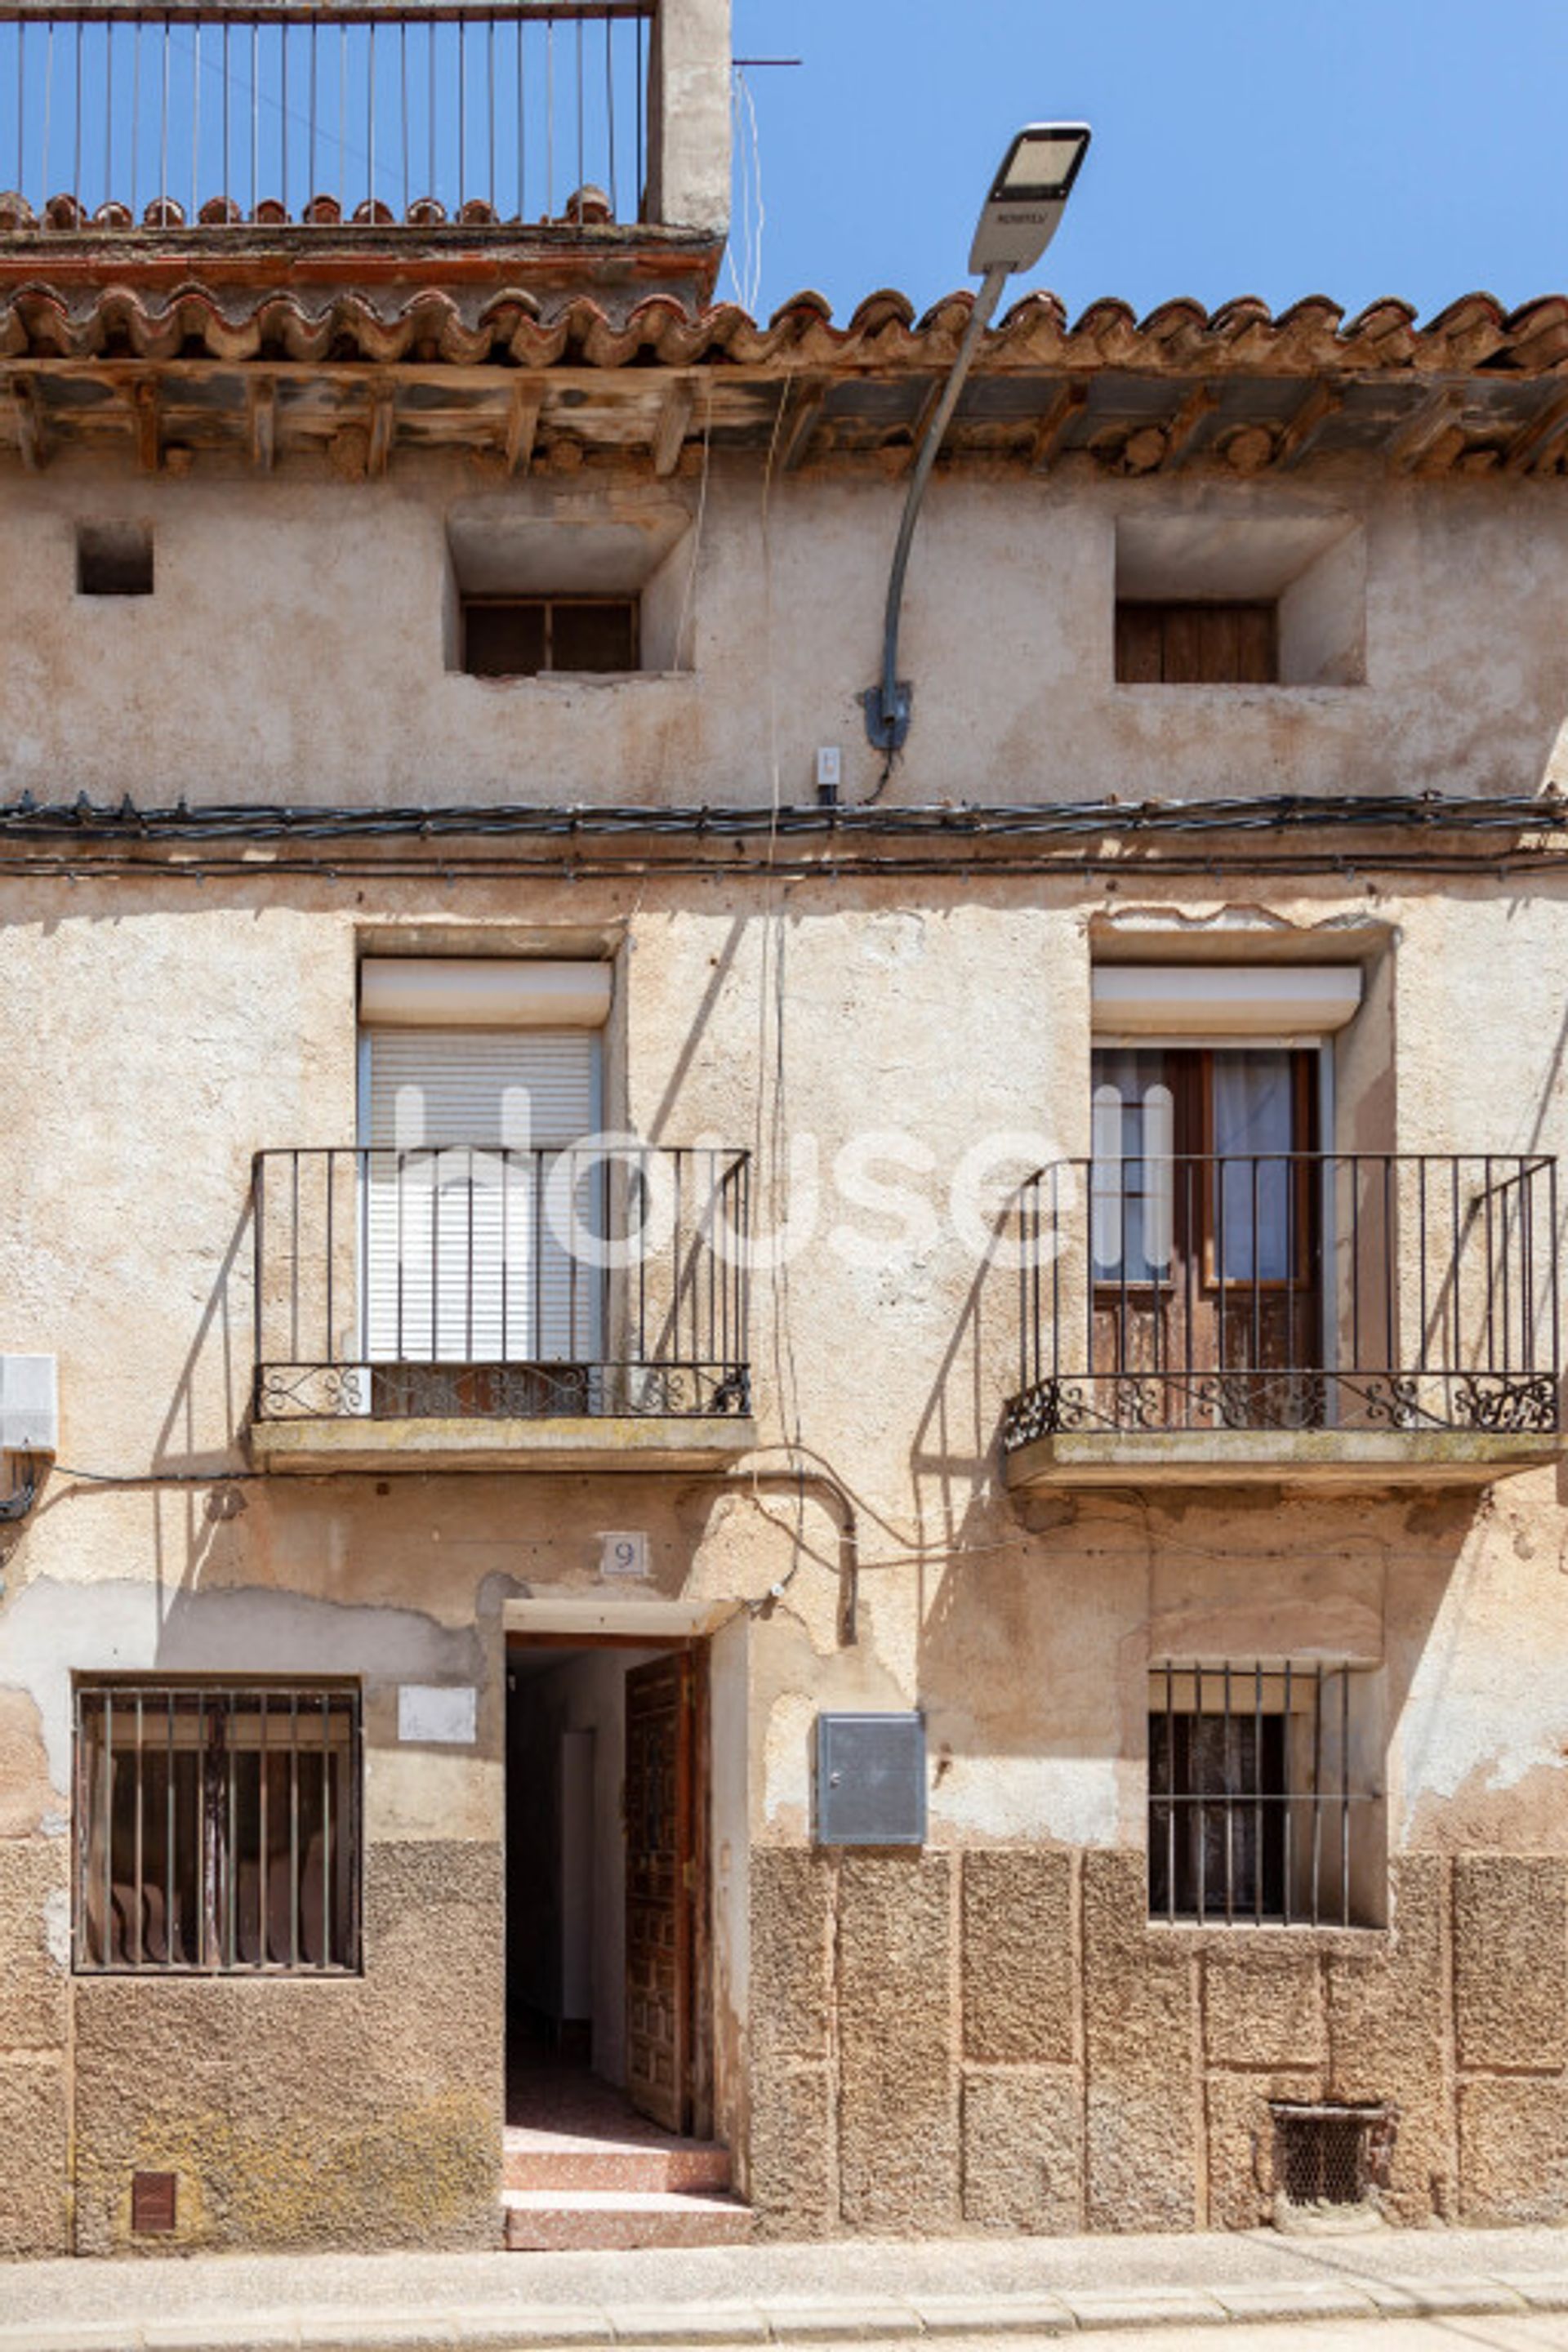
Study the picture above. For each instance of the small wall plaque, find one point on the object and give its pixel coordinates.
(434, 1716)
(871, 1779)
(624, 1553)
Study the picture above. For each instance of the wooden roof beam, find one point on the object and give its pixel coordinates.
(262, 405)
(1417, 440)
(805, 400)
(31, 437)
(383, 432)
(671, 425)
(1320, 402)
(920, 425)
(1539, 438)
(145, 423)
(1066, 404)
(1182, 428)
(522, 416)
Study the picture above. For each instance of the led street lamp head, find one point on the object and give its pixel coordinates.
(1028, 197)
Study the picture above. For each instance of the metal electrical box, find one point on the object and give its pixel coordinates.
(29, 1405)
(871, 1779)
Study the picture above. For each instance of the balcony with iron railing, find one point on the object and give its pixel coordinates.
(470, 1308)
(315, 142)
(1350, 1317)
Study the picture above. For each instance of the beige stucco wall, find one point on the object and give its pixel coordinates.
(983, 2036)
(296, 646)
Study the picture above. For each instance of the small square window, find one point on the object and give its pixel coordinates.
(527, 636)
(1262, 1808)
(114, 558)
(217, 1829)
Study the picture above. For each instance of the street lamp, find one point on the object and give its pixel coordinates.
(1019, 219)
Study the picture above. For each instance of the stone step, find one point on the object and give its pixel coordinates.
(553, 2221)
(699, 2165)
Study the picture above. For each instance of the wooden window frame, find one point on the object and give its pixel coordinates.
(214, 1873)
(549, 606)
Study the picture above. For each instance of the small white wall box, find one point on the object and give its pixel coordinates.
(871, 1779)
(438, 1715)
(29, 1405)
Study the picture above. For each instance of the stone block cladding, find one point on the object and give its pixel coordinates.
(999, 2039)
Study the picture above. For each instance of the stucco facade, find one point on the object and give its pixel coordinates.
(988, 2031)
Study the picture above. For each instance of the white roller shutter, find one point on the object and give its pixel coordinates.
(465, 1127)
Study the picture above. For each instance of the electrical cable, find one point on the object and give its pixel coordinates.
(84, 822)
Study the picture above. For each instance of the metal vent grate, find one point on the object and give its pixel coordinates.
(1332, 2156)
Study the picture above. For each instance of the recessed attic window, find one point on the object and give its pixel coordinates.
(576, 585)
(114, 558)
(1213, 597)
(527, 636)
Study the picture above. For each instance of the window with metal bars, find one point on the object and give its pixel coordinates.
(217, 1828)
(1263, 1797)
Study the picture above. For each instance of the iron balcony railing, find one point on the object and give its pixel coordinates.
(223, 114)
(1300, 1291)
(469, 1282)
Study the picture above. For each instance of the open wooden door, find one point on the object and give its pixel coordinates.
(663, 1886)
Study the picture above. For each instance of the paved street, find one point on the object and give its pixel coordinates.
(1401, 2291)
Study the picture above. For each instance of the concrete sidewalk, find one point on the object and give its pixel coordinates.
(1017, 2290)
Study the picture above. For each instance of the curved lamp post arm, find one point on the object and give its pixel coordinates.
(1018, 223)
(888, 704)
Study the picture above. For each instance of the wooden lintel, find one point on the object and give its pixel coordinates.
(1067, 401)
(1537, 439)
(670, 428)
(383, 432)
(1200, 401)
(263, 403)
(802, 418)
(522, 423)
(29, 423)
(1322, 401)
(1432, 420)
(144, 419)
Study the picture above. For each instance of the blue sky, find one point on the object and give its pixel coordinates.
(1351, 148)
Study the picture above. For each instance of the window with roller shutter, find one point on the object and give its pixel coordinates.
(469, 1134)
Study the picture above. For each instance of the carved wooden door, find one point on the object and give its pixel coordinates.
(661, 1872)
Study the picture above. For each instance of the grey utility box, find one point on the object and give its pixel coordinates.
(29, 1405)
(871, 1779)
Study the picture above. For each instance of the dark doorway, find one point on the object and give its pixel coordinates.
(608, 1945)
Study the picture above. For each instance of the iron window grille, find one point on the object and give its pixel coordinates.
(217, 1829)
(1262, 1806)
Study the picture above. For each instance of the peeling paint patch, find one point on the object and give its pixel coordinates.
(57, 1927)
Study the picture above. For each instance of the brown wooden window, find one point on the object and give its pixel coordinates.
(217, 1828)
(526, 636)
(1197, 645)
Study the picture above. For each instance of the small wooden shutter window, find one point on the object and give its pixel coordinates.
(464, 1129)
(1197, 645)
